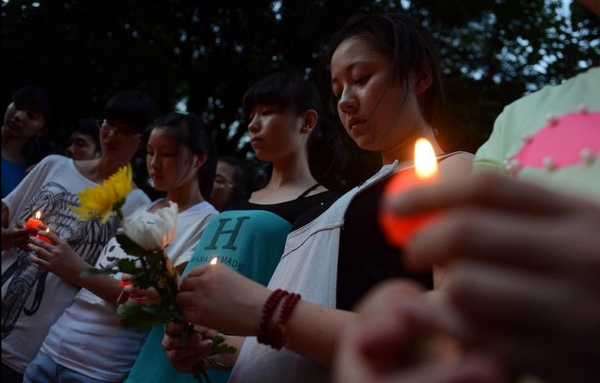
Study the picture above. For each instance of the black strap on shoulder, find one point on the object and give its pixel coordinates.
(444, 156)
(305, 193)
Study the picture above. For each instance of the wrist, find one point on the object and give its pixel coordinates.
(276, 312)
(268, 321)
(77, 269)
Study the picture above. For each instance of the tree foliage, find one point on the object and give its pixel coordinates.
(206, 53)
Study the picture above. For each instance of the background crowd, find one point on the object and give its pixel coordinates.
(202, 57)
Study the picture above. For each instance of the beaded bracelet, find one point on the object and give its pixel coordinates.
(268, 309)
(280, 337)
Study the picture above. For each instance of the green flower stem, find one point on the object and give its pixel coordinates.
(144, 265)
(117, 210)
(200, 374)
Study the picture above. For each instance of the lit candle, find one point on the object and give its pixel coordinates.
(399, 229)
(35, 222)
(213, 261)
(45, 239)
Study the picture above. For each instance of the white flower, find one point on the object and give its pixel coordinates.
(152, 231)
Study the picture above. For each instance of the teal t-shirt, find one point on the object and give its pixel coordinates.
(261, 235)
(250, 239)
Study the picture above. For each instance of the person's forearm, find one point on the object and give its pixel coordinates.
(313, 330)
(104, 286)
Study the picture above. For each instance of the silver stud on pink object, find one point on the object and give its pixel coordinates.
(552, 120)
(587, 156)
(583, 109)
(548, 163)
(512, 165)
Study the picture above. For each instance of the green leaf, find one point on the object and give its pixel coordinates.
(222, 349)
(218, 364)
(93, 271)
(143, 318)
(130, 247)
(218, 346)
(127, 265)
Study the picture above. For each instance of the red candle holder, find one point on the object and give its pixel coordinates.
(399, 229)
(45, 239)
(32, 222)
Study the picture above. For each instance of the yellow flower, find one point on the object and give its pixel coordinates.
(102, 200)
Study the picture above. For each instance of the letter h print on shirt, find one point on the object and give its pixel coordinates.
(232, 233)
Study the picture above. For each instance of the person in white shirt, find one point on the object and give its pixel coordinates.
(32, 298)
(88, 342)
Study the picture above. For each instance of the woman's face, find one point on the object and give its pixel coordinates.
(23, 120)
(169, 167)
(275, 132)
(377, 114)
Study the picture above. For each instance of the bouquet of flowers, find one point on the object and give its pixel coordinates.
(145, 241)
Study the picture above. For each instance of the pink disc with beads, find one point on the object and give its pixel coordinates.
(567, 140)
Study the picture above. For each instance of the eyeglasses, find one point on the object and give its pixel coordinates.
(222, 183)
(120, 132)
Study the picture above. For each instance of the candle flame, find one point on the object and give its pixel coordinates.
(213, 261)
(38, 215)
(425, 162)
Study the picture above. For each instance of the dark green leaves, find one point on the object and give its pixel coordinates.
(143, 318)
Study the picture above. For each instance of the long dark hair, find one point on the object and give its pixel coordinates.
(191, 132)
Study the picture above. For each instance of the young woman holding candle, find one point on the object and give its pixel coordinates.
(32, 298)
(285, 112)
(387, 83)
(511, 247)
(181, 162)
